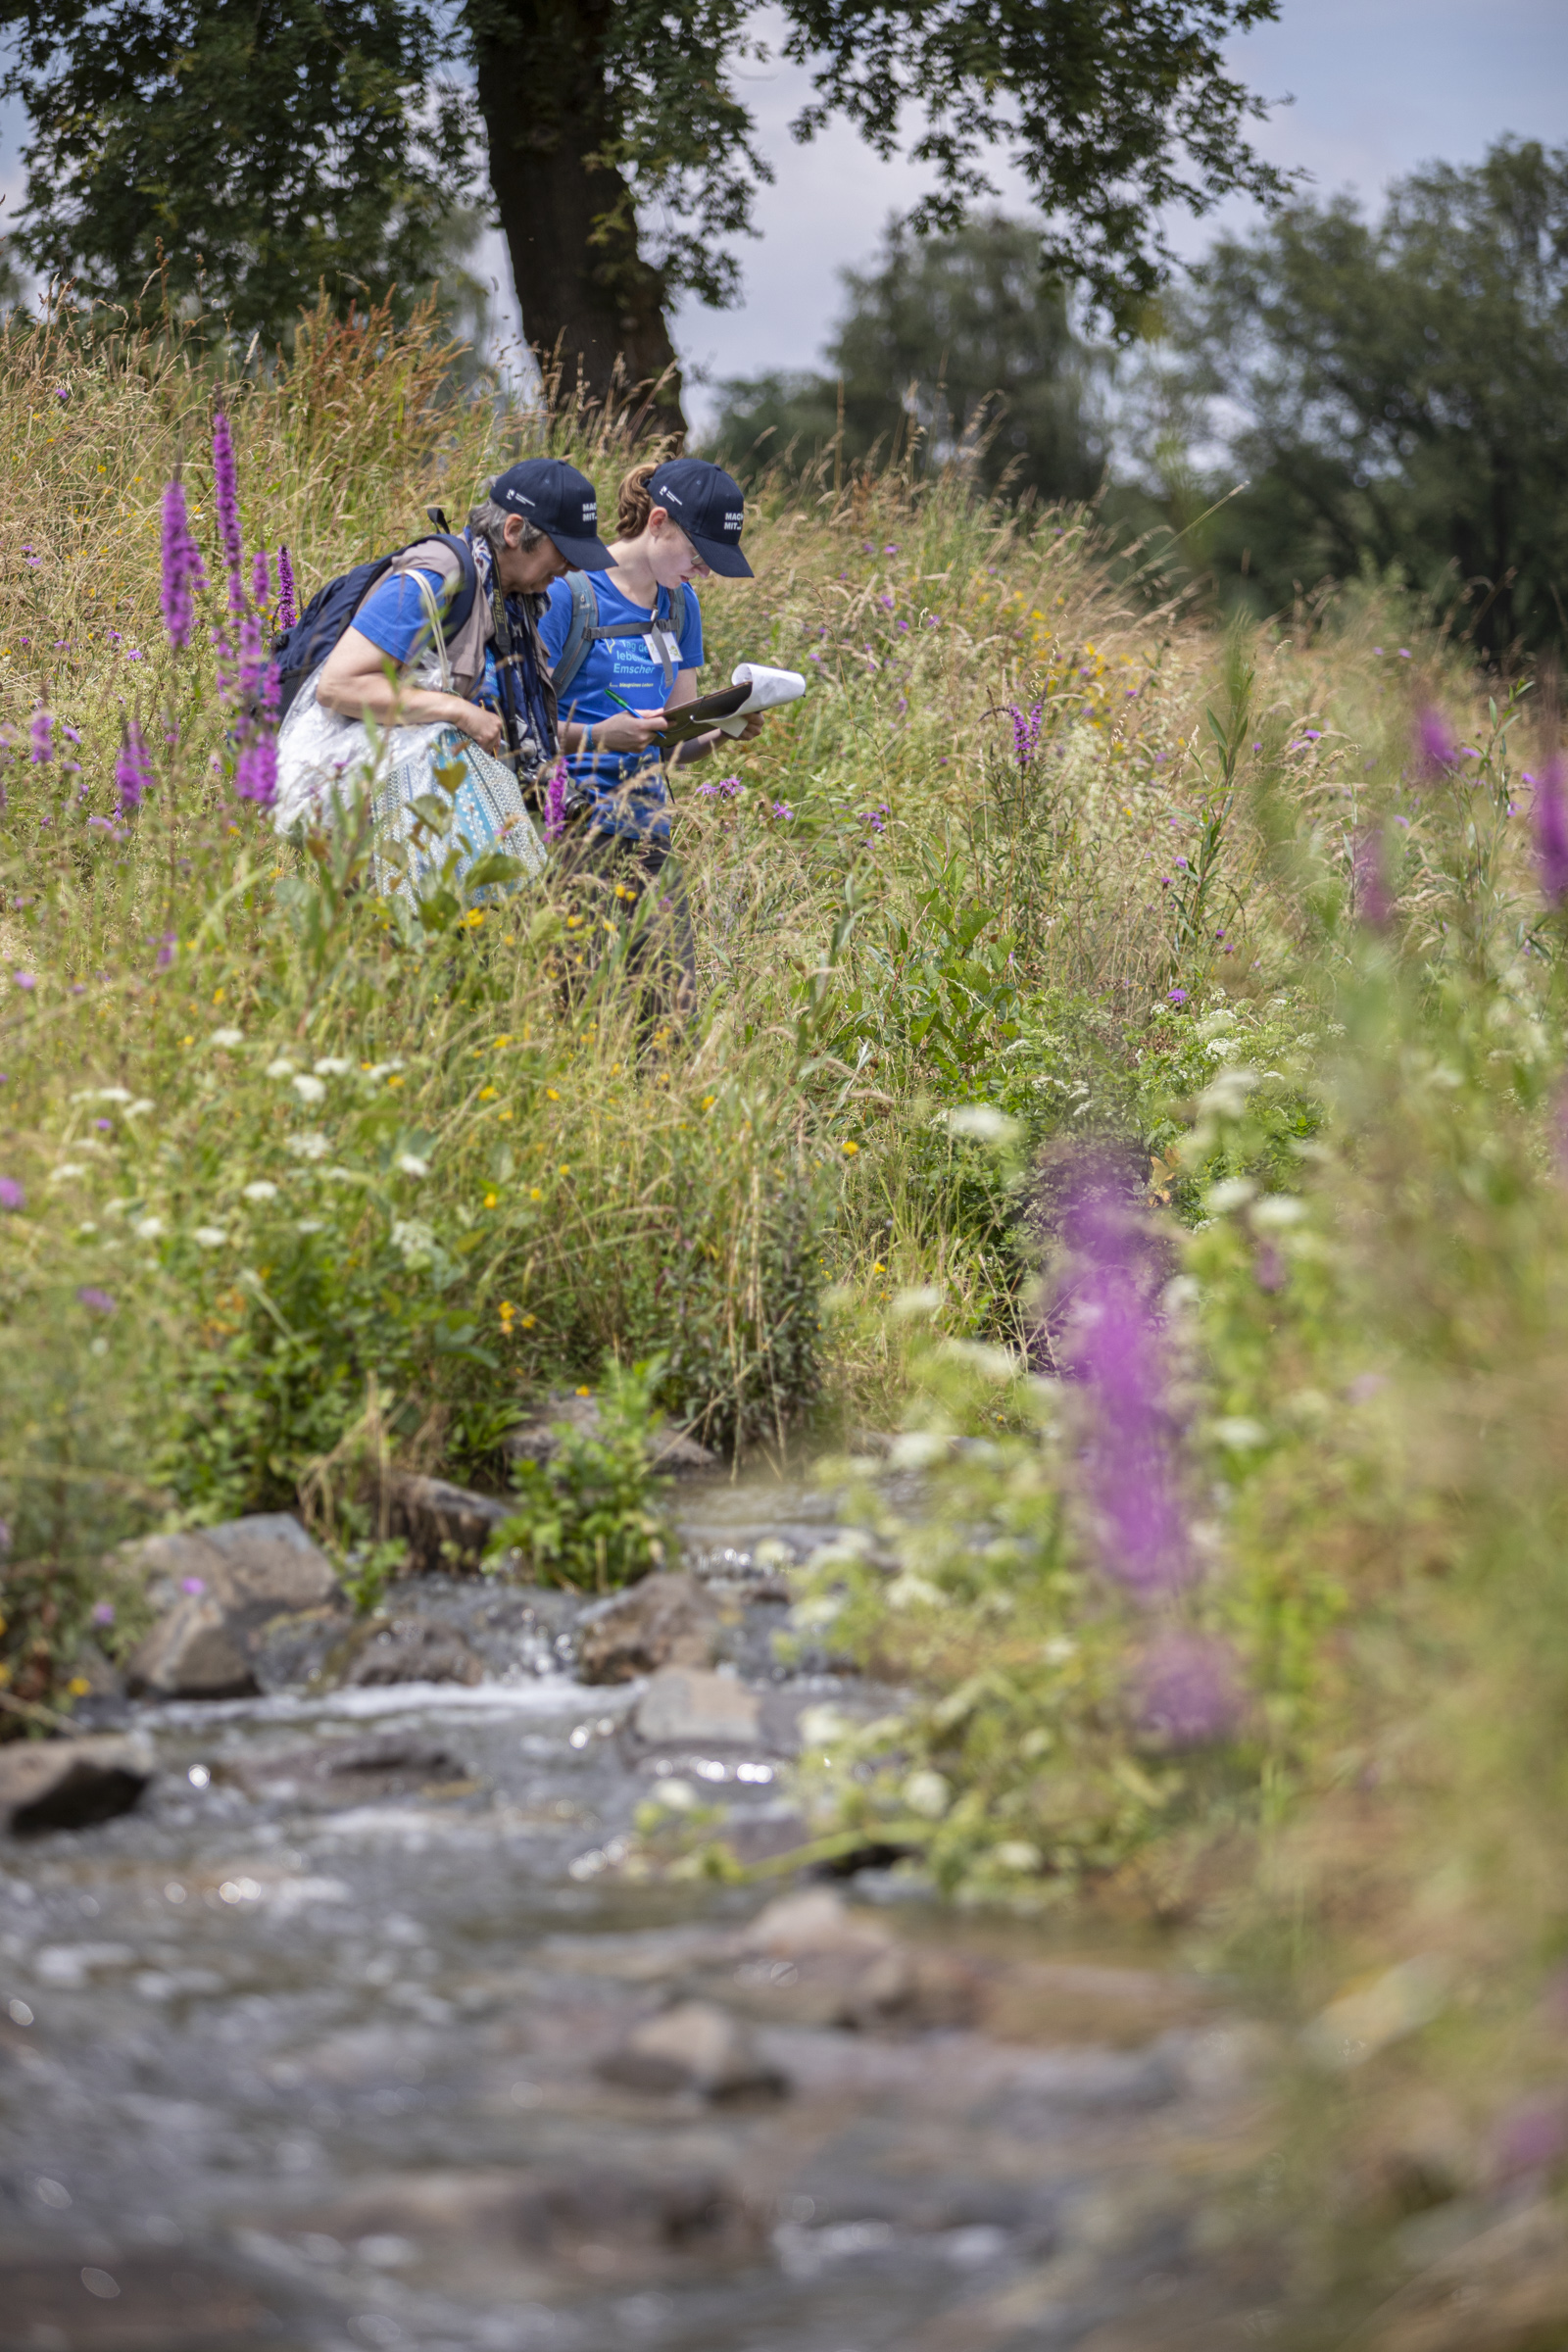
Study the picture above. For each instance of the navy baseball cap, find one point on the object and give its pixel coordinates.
(561, 503)
(706, 502)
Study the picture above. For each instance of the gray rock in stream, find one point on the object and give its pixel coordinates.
(222, 1584)
(671, 1451)
(69, 1783)
(413, 1649)
(684, 1707)
(665, 1620)
(696, 2047)
(446, 1526)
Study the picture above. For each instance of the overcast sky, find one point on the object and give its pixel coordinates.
(1379, 85)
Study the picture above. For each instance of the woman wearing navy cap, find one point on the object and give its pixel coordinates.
(632, 642)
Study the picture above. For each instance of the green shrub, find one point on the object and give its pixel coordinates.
(587, 1515)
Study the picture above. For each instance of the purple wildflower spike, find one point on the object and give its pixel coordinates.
(225, 483)
(252, 660)
(1552, 830)
(95, 1300)
(11, 1195)
(1373, 904)
(1114, 1348)
(1531, 2136)
(134, 770)
(286, 615)
(1435, 749)
(1025, 733)
(255, 776)
(260, 585)
(42, 736)
(1188, 1689)
(183, 569)
(555, 801)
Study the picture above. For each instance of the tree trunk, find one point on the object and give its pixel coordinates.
(588, 298)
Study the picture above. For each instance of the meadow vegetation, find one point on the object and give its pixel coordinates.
(1126, 1092)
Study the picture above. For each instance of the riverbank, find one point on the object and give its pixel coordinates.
(1125, 1102)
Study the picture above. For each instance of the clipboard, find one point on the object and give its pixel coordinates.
(695, 718)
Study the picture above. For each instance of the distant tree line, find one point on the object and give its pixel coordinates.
(245, 152)
(1393, 393)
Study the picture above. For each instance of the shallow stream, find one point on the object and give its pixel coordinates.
(318, 2049)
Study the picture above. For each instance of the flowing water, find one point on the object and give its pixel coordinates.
(318, 2049)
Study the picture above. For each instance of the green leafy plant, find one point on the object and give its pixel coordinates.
(588, 1516)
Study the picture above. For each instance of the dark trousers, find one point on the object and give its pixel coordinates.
(629, 895)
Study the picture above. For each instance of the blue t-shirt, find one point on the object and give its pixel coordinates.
(626, 791)
(393, 616)
(394, 619)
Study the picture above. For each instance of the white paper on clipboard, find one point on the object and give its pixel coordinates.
(769, 688)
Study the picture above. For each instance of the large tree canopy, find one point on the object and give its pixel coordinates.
(1392, 391)
(951, 344)
(296, 138)
(254, 148)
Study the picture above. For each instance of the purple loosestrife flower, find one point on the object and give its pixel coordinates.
(252, 660)
(1026, 732)
(255, 776)
(555, 801)
(134, 770)
(1552, 830)
(1531, 2136)
(1114, 1347)
(1374, 904)
(11, 1195)
(1436, 748)
(183, 569)
(286, 615)
(1187, 1689)
(41, 737)
(225, 484)
(260, 585)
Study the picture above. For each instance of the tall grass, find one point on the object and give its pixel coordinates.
(1040, 861)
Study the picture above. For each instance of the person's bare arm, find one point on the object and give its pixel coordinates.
(360, 681)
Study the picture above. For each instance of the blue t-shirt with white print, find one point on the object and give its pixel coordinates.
(626, 791)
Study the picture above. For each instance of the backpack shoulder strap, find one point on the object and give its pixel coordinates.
(580, 632)
(459, 601)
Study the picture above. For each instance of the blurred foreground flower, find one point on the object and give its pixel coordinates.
(134, 770)
(1114, 1347)
(1552, 830)
(1373, 904)
(1436, 748)
(1186, 1688)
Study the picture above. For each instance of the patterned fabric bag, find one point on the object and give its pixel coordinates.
(486, 813)
(325, 762)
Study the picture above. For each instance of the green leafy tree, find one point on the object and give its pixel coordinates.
(297, 136)
(951, 344)
(239, 152)
(1394, 396)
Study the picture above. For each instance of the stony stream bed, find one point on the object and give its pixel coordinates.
(351, 2034)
